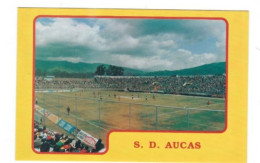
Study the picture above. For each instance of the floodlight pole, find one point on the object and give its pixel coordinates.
(59, 107)
(76, 118)
(99, 112)
(130, 116)
(156, 117)
(188, 118)
(44, 119)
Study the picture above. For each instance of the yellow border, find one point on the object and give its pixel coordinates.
(229, 146)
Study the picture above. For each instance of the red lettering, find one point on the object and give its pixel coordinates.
(176, 145)
(152, 144)
(197, 145)
(168, 145)
(183, 145)
(191, 146)
(136, 144)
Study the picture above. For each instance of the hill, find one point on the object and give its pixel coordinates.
(207, 69)
(44, 67)
(69, 69)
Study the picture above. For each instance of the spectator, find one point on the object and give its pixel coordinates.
(193, 85)
(68, 110)
(45, 146)
(46, 140)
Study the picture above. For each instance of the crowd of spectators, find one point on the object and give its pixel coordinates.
(46, 140)
(199, 84)
(62, 83)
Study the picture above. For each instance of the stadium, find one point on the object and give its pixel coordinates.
(109, 74)
(109, 103)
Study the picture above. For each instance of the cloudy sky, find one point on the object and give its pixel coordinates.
(145, 44)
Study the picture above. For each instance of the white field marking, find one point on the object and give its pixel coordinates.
(97, 126)
(204, 125)
(216, 98)
(184, 109)
(195, 120)
(127, 97)
(177, 116)
(113, 127)
(94, 124)
(199, 124)
(172, 112)
(202, 105)
(179, 110)
(88, 122)
(205, 105)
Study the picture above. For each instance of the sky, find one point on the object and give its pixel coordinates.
(144, 44)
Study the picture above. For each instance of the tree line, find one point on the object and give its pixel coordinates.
(63, 74)
(111, 70)
(100, 70)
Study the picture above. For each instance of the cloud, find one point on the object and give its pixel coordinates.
(68, 31)
(180, 59)
(147, 44)
(143, 63)
(69, 59)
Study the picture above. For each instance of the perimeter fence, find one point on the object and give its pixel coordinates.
(99, 116)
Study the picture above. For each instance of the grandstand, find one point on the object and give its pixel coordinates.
(48, 140)
(206, 85)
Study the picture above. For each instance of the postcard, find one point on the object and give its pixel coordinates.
(132, 85)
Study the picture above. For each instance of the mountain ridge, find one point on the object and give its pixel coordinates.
(49, 67)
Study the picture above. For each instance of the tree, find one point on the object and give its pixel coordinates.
(115, 71)
(100, 70)
(38, 72)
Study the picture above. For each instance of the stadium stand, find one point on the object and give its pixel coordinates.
(205, 85)
(46, 140)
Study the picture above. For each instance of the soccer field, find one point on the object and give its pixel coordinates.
(98, 112)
